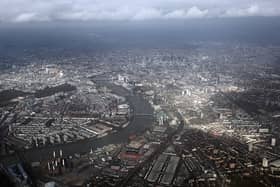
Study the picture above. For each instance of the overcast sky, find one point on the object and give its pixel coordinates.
(51, 10)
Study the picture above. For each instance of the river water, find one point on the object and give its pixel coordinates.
(137, 125)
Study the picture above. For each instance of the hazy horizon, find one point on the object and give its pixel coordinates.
(153, 33)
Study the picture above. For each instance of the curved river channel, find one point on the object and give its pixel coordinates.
(137, 125)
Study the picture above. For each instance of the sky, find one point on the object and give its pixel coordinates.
(85, 10)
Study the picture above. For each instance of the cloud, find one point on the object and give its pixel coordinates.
(25, 17)
(150, 13)
(193, 12)
(30, 16)
(253, 10)
(177, 14)
(42, 10)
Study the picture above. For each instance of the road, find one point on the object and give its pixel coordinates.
(158, 151)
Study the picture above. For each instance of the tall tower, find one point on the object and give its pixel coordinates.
(250, 147)
(265, 163)
(273, 142)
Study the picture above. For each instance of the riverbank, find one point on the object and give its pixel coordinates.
(137, 125)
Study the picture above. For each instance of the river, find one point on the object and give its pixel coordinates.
(137, 125)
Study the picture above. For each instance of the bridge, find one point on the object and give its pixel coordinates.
(143, 115)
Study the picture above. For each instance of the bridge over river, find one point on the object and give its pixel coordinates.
(143, 119)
